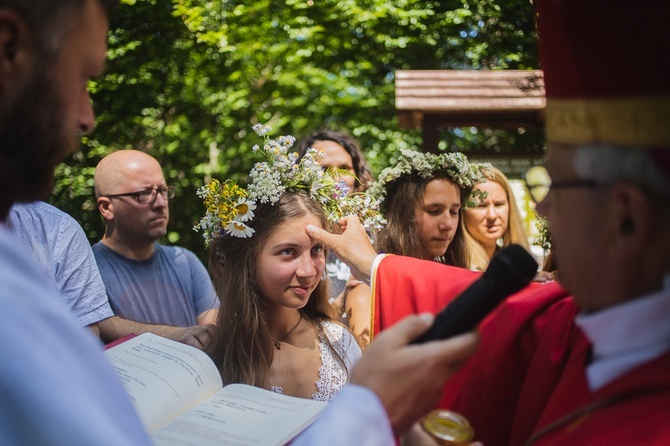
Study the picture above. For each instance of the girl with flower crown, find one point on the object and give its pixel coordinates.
(276, 328)
(422, 198)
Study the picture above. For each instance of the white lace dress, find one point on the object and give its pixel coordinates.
(332, 377)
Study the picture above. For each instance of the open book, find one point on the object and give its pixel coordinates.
(178, 394)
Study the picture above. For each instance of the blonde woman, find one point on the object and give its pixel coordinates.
(494, 222)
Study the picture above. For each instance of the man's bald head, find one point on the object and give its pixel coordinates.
(132, 225)
(119, 170)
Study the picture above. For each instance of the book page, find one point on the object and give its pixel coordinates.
(240, 415)
(163, 377)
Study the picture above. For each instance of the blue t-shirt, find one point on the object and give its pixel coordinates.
(172, 287)
(57, 387)
(59, 244)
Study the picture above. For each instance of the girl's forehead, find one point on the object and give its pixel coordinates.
(294, 230)
(441, 190)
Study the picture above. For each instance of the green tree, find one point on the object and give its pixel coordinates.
(186, 80)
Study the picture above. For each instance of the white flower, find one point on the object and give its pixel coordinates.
(239, 229)
(286, 141)
(261, 130)
(245, 209)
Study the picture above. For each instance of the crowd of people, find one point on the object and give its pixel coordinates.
(320, 276)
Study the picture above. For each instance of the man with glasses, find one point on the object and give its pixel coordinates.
(146, 281)
(586, 361)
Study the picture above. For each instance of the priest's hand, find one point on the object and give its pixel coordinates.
(408, 379)
(353, 246)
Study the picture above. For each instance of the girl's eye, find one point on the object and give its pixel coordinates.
(287, 251)
(434, 212)
(454, 213)
(317, 249)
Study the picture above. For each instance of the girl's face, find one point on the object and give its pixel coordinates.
(437, 216)
(488, 222)
(336, 156)
(290, 264)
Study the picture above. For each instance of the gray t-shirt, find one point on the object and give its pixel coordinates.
(172, 287)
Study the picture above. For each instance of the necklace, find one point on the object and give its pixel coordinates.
(279, 341)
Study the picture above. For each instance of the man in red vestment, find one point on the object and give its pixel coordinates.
(586, 361)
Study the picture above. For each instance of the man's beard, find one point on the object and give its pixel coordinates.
(33, 141)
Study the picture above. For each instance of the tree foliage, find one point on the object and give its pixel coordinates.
(186, 80)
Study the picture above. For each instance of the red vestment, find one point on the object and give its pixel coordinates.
(529, 370)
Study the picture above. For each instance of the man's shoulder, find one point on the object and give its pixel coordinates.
(99, 247)
(106, 257)
(17, 268)
(38, 207)
(39, 213)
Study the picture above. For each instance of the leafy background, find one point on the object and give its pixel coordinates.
(186, 80)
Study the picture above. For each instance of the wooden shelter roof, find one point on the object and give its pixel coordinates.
(479, 98)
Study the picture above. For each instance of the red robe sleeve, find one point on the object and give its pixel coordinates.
(406, 285)
(501, 369)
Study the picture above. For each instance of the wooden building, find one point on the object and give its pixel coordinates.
(433, 99)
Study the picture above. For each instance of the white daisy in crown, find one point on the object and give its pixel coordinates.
(245, 209)
(239, 229)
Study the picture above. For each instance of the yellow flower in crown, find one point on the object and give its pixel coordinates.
(229, 208)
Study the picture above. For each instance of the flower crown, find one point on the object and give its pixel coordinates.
(230, 208)
(453, 165)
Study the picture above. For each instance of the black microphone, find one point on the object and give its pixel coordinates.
(509, 271)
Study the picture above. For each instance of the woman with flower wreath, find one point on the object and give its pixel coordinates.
(422, 198)
(276, 329)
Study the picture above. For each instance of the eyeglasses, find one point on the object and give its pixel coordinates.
(147, 196)
(539, 183)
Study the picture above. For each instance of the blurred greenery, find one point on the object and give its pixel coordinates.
(186, 80)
